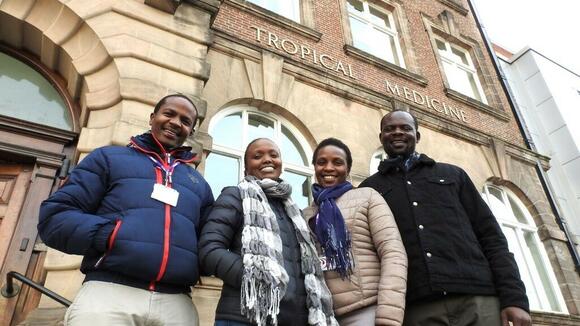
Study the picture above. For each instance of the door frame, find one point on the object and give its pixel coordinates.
(44, 148)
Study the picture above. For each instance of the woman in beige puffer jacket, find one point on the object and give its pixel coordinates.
(368, 274)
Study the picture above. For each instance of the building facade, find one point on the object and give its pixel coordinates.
(297, 71)
(548, 97)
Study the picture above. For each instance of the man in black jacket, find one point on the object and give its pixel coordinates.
(460, 269)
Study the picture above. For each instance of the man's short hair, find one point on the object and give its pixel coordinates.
(334, 142)
(164, 99)
(415, 121)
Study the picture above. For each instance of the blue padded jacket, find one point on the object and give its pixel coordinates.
(105, 212)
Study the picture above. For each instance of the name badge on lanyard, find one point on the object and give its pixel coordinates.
(163, 192)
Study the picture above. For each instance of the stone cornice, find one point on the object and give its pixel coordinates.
(477, 104)
(455, 6)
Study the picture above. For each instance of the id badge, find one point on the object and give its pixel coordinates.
(165, 194)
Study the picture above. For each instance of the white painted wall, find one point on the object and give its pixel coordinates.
(548, 96)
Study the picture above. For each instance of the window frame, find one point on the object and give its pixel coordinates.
(373, 168)
(57, 82)
(520, 229)
(306, 170)
(448, 57)
(297, 7)
(305, 28)
(392, 31)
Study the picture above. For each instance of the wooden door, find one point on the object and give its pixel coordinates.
(15, 233)
(14, 181)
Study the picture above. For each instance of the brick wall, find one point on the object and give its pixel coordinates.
(329, 21)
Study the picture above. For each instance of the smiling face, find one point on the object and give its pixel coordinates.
(262, 159)
(330, 166)
(399, 134)
(173, 122)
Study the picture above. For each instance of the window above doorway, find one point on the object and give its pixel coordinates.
(233, 128)
(26, 95)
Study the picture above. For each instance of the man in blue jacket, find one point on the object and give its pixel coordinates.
(460, 270)
(134, 213)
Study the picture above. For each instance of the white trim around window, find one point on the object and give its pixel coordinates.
(374, 30)
(459, 69)
(233, 128)
(522, 234)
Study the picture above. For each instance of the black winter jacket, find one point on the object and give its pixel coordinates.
(454, 243)
(220, 248)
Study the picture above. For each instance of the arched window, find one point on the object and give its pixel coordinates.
(232, 129)
(521, 233)
(25, 94)
(378, 156)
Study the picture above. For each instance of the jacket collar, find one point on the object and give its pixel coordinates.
(391, 164)
(148, 144)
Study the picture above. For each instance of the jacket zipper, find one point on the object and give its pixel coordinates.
(167, 223)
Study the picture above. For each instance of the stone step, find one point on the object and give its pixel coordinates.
(45, 317)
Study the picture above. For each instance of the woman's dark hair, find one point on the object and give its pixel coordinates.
(250, 144)
(334, 142)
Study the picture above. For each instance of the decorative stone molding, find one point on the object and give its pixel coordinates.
(475, 103)
(168, 6)
(455, 5)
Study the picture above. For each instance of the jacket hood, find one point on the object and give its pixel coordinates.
(148, 142)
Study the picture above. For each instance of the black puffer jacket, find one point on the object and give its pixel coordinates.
(454, 243)
(219, 251)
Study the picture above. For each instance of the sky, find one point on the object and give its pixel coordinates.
(549, 27)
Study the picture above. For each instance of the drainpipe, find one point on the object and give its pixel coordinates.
(528, 140)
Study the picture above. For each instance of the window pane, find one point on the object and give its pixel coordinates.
(525, 273)
(543, 274)
(221, 171)
(393, 50)
(25, 94)
(474, 89)
(440, 46)
(291, 149)
(379, 18)
(463, 82)
(287, 8)
(499, 209)
(355, 6)
(260, 127)
(460, 56)
(228, 131)
(380, 44)
(375, 161)
(361, 35)
(517, 211)
(300, 187)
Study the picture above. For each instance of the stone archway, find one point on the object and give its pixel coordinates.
(117, 58)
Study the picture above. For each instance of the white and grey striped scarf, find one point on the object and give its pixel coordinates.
(264, 280)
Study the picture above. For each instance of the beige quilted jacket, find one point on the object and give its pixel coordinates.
(380, 270)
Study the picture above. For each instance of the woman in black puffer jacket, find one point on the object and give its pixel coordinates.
(256, 241)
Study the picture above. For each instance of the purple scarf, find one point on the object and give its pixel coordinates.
(330, 229)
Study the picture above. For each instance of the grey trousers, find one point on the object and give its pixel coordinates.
(102, 303)
(361, 317)
(455, 310)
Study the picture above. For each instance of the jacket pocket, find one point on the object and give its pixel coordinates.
(110, 243)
